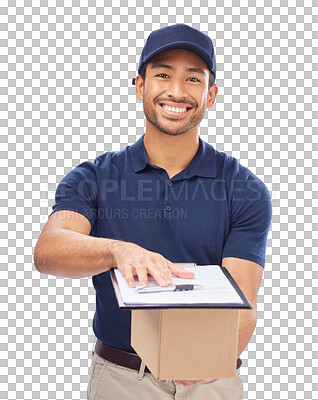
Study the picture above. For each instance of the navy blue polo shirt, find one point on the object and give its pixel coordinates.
(212, 209)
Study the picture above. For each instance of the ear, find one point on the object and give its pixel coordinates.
(212, 95)
(139, 83)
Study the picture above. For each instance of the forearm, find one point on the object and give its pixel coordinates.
(71, 254)
(247, 324)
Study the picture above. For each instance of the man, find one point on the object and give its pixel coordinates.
(168, 198)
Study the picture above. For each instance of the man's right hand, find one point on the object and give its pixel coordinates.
(132, 260)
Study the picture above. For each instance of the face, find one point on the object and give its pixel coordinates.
(175, 92)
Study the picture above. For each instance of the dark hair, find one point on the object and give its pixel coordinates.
(143, 75)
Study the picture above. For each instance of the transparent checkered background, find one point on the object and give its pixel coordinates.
(66, 97)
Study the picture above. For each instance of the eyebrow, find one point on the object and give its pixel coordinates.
(167, 66)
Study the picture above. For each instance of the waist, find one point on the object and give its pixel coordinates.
(124, 358)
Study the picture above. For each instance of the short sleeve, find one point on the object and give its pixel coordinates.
(77, 192)
(251, 215)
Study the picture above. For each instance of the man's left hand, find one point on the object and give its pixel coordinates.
(189, 382)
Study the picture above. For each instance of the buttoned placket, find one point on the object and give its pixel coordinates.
(168, 207)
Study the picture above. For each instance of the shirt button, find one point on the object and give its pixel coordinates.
(168, 207)
(170, 183)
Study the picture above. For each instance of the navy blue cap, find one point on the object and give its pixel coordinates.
(179, 36)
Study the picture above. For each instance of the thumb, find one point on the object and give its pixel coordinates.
(179, 271)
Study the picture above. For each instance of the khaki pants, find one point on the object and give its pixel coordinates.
(109, 381)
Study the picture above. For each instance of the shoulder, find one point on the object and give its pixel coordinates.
(105, 159)
(112, 162)
(245, 189)
(229, 168)
(232, 171)
(108, 165)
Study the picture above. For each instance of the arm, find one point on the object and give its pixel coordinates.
(248, 275)
(65, 248)
(245, 246)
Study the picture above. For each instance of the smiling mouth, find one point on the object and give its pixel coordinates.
(175, 111)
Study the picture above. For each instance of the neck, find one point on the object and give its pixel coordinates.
(173, 153)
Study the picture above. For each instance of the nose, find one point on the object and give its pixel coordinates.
(176, 89)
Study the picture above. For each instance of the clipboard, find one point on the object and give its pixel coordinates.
(245, 305)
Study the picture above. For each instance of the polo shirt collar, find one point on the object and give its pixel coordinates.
(203, 164)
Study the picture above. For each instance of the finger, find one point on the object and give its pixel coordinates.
(142, 275)
(179, 271)
(184, 382)
(190, 382)
(128, 273)
(160, 272)
(166, 272)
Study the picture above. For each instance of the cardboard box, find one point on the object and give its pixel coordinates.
(187, 343)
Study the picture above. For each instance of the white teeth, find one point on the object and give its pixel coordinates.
(173, 109)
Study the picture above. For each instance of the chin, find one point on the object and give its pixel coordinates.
(168, 131)
(174, 133)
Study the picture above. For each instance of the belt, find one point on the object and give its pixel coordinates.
(125, 359)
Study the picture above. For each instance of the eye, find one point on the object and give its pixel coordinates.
(197, 80)
(161, 75)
